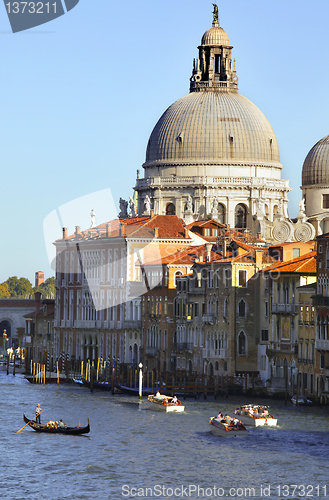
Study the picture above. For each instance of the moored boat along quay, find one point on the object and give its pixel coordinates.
(131, 446)
(100, 375)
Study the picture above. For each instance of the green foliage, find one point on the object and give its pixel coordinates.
(19, 287)
(4, 291)
(47, 289)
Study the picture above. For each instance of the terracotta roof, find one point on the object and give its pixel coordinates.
(306, 264)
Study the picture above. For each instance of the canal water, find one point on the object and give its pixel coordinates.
(133, 452)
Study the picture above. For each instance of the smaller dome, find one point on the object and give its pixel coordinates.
(215, 36)
(316, 165)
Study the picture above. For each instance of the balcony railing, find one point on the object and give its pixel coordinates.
(208, 318)
(284, 308)
(214, 353)
(133, 323)
(322, 345)
(151, 351)
(183, 346)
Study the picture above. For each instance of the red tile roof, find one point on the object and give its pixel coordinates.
(306, 264)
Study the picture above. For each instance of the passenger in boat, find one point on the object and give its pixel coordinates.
(38, 410)
(158, 395)
(174, 400)
(220, 415)
(228, 419)
(61, 424)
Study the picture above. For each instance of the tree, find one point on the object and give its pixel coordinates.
(47, 289)
(19, 287)
(4, 291)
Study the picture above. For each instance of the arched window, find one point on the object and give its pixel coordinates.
(278, 367)
(242, 309)
(177, 273)
(240, 216)
(242, 344)
(221, 213)
(170, 209)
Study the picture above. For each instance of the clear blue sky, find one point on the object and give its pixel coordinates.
(80, 96)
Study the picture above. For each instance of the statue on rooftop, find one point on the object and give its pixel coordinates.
(215, 13)
(93, 219)
(123, 209)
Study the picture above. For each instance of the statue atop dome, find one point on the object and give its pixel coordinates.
(215, 13)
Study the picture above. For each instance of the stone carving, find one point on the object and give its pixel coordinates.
(93, 219)
(215, 13)
(260, 207)
(189, 203)
(305, 232)
(147, 204)
(123, 204)
(282, 232)
(132, 207)
(301, 206)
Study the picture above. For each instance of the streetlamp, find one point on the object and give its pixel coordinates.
(140, 380)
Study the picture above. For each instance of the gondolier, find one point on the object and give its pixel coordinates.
(38, 410)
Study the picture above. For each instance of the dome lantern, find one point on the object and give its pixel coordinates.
(214, 69)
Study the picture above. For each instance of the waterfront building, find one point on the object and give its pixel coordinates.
(284, 280)
(12, 322)
(39, 333)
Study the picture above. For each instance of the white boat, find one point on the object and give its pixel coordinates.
(255, 415)
(221, 427)
(302, 400)
(165, 403)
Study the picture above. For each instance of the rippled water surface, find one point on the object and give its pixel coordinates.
(131, 449)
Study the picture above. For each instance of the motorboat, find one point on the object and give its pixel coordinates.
(302, 400)
(255, 415)
(161, 402)
(227, 427)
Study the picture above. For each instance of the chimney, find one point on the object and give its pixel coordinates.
(64, 233)
(156, 232)
(208, 248)
(224, 248)
(259, 236)
(259, 258)
(152, 214)
(37, 296)
(201, 258)
(122, 230)
(77, 230)
(186, 236)
(108, 230)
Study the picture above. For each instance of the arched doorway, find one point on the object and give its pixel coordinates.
(210, 369)
(5, 325)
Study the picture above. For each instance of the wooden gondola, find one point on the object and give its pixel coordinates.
(57, 430)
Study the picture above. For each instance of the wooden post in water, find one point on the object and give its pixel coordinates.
(97, 370)
(92, 379)
(14, 365)
(227, 386)
(152, 381)
(113, 378)
(57, 372)
(286, 387)
(253, 384)
(297, 389)
(7, 365)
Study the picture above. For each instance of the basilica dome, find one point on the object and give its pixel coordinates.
(316, 165)
(213, 127)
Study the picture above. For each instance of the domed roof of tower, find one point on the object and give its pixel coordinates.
(316, 165)
(215, 36)
(215, 127)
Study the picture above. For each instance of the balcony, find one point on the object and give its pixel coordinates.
(183, 346)
(322, 345)
(81, 323)
(208, 318)
(284, 308)
(133, 323)
(151, 351)
(320, 301)
(66, 323)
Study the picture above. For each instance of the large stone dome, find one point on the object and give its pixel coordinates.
(316, 165)
(213, 127)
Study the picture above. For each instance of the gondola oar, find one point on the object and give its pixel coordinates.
(30, 421)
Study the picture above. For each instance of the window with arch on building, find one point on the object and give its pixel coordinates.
(242, 344)
(221, 213)
(242, 309)
(177, 274)
(170, 209)
(242, 278)
(240, 216)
